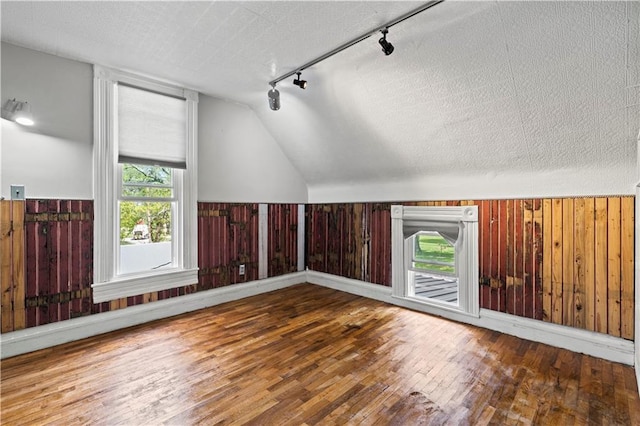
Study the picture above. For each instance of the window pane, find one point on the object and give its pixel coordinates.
(145, 236)
(145, 191)
(151, 175)
(432, 252)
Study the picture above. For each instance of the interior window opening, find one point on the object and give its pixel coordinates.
(433, 273)
(434, 257)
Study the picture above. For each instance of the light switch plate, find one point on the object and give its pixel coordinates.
(17, 192)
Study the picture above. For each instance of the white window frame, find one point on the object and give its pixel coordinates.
(108, 285)
(466, 254)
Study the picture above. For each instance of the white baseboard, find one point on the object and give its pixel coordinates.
(35, 338)
(576, 340)
(582, 341)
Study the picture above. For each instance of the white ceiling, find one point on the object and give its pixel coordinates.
(475, 88)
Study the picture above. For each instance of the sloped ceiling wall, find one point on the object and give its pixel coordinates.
(479, 99)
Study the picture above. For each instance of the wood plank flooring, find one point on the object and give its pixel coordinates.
(312, 355)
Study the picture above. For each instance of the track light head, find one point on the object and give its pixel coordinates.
(274, 98)
(300, 83)
(387, 47)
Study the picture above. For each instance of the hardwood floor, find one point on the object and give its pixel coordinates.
(312, 355)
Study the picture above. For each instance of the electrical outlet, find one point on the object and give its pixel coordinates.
(17, 192)
(242, 269)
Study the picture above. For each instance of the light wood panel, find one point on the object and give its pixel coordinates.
(12, 267)
(312, 355)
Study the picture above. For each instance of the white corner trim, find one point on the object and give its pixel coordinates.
(32, 339)
(576, 340)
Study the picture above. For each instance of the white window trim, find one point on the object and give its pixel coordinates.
(107, 284)
(466, 257)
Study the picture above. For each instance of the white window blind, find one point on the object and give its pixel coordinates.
(151, 128)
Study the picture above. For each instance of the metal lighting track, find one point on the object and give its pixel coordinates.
(356, 40)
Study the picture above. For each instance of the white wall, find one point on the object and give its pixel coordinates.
(53, 159)
(462, 186)
(239, 160)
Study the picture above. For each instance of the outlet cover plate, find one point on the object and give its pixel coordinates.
(17, 192)
(241, 269)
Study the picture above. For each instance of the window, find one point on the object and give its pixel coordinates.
(147, 204)
(144, 184)
(433, 274)
(435, 256)
(433, 253)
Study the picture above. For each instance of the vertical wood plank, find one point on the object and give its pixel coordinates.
(567, 261)
(63, 256)
(537, 258)
(6, 278)
(589, 260)
(556, 253)
(75, 262)
(529, 294)
(578, 264)
(86, 247)
(547, 260)
(613, 265)
(18, 267)
(485, 253)
(31, 244)
(601, 265)
(627, 259)
(502, 255)
(518, 257)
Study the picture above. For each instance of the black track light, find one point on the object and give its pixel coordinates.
(387, 47)
(300, 83)
(274, 98)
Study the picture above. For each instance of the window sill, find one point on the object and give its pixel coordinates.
(134, 286)
(438, 306)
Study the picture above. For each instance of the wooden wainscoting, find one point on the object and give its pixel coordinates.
(282, 248)
(312, 355)
(568, 261)
(46, 254)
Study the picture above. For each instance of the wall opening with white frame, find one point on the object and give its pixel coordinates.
(448, 281)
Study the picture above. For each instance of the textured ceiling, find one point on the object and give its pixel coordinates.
(477, 88)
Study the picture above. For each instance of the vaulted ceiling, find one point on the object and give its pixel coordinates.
(477, 89)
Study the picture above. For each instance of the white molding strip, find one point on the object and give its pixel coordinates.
(263, 241)
(32, 339)
(301, 236)
(576, 340)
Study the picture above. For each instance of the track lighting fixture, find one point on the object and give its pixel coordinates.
(300, 83)
(274, 98)
(387, 47)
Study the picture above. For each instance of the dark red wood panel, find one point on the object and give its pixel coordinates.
(282, 250)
